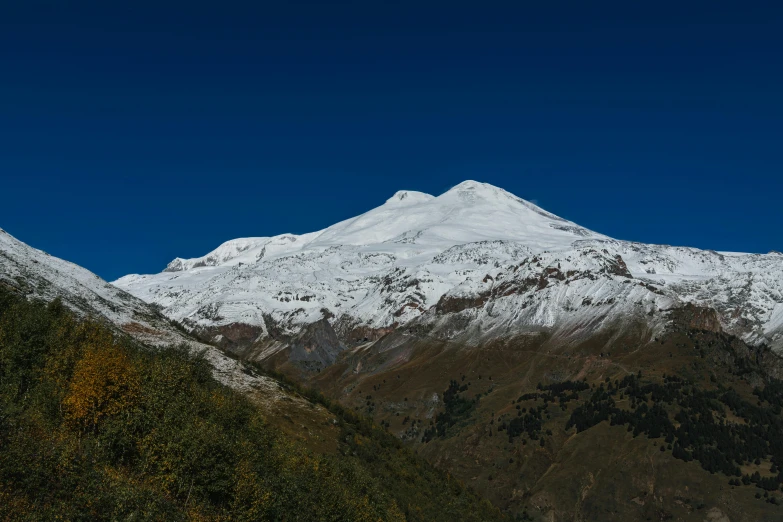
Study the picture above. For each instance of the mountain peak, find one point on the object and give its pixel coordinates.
(470, 191)
(469, 212)
(408, 197)
(470, 184)
(470, 188)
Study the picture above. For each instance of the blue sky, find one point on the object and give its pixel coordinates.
(133, 134)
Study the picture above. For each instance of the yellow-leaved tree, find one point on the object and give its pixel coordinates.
(105, 380)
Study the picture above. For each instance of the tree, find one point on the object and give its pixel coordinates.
(105, 381)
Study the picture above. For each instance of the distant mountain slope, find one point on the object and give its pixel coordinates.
(473, 263)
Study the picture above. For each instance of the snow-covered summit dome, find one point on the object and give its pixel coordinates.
(408, 197)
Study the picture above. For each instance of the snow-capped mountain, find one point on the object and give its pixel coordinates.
(472, 263)
(36, 274)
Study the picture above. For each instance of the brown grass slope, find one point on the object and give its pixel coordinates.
(601, 473)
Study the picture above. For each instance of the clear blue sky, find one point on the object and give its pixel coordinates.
(133, 134)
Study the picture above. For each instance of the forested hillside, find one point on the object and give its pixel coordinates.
(96, 427)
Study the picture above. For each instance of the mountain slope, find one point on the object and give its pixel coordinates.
(34, 273)
(475, 255)
(94, 426)
(589, 430)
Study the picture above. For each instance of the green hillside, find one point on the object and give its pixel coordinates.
(96, 427)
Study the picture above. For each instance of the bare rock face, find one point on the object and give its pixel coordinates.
(316, 346)
(230, 336)
(449, 305)
(696, 317)
(352, 334)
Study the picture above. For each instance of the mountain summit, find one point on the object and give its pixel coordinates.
(475, 256)
(468, 213)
